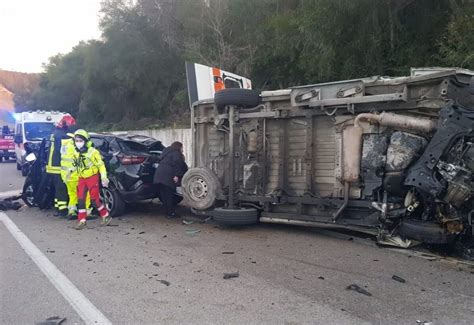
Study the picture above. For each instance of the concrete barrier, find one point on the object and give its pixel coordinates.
(167, 137)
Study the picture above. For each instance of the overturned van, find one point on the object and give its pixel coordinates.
(393, 157)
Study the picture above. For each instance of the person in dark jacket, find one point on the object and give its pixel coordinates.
(59, 138)
(168, 176)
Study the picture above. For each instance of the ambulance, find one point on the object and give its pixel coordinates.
(30, 129)
(204, 82)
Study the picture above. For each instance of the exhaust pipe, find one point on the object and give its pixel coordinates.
(395, 121)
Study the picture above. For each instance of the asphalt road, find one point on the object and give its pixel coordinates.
(288, 275)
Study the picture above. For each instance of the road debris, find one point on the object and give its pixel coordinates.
(166, 283)
(297, 278)
(424, 322)
(141, 232)
(192, 232)
(156, 264)
(227, 253)
(187, 222)
(399, 279)
(358, 289)
(321, 278)
(55, 320)
(231, 275)
(10, 203)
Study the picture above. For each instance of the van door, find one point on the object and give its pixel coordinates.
(19, 139)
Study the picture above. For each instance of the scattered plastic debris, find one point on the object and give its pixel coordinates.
(55, 320)
(297, 278)
(156, 264)
(358, 289)
(227, 253)
(321, 278)
(141, 232)
(399, 279)
(231, 275)
(424, 322)
(187, 222)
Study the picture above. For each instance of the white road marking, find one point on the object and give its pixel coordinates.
(85, 309)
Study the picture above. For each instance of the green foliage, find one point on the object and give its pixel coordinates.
(134, 77)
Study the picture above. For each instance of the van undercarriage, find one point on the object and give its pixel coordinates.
(393, 157)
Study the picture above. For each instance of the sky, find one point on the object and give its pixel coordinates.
(31, 31)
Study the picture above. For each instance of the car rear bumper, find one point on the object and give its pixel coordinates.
(142, 192)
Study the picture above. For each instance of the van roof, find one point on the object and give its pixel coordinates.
(41, 116)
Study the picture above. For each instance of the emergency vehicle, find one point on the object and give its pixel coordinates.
(7, 147)
(30, 129)
(204, 81)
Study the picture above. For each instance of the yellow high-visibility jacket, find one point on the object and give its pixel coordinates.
(68, 154)
(90, 163)
(58, 139)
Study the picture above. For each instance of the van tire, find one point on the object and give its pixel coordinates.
(200, 188)
(235, 217)
(245, 98)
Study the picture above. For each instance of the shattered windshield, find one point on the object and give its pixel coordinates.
(38, 131)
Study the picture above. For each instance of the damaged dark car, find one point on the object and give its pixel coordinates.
(393, 157)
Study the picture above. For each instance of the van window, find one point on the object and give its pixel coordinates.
(38, 131)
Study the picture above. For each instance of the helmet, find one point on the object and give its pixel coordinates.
(66, 121)
(82, 134)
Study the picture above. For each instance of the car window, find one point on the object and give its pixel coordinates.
(114, 146)
(100, 144)
(132, 146)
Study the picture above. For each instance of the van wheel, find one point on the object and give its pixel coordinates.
(113, 201)
(235, 217)
(200, 188)
(245, 98)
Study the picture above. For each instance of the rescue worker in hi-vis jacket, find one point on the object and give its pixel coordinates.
(70, 177)
(92, 172)
(53, 167)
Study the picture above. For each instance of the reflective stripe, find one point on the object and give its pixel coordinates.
(53, 170)
(101, 208)
(67, 160)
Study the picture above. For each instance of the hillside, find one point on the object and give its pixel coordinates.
(11, 84)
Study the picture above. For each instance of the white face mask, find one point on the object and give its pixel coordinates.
(79, 144)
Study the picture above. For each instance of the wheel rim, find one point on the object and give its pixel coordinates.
(198, 188)
(29, 195)
(108, 199)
